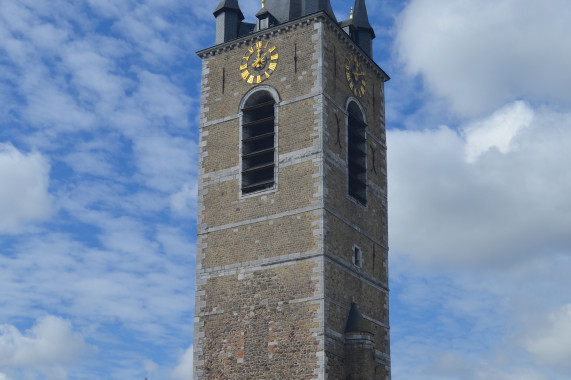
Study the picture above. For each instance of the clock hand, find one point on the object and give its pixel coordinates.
(357, 75)
(258, 62)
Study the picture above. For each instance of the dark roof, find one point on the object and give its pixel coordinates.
(312, 6)
(229, 5)
(263, 12)
(288, 10)
(355, 321)
(360, 16)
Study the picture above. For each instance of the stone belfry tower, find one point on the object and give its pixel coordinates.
(292, 278)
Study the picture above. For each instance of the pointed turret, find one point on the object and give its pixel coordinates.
(287, 10)
(312, 6)
(228, 18)
(364, 32)
(360, 16)
(359, 28)
(265, 18)
(359, 347)
(284, 10)
(355, 321)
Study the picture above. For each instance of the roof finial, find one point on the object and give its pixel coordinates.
(351, 15)
(263, 3)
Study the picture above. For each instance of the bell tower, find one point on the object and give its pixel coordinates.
(292, 252)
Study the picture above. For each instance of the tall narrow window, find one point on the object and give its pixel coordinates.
(258, 143)
(357, 153)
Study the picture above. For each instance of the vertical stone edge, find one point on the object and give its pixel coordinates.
(319, 122)
(198, 334)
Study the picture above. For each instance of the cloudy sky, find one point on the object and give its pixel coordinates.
(99, 108)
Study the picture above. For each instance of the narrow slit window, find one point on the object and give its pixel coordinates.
(357, 154)
(258, 143)
(357, 257)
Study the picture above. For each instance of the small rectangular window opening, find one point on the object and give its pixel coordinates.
(357, 257)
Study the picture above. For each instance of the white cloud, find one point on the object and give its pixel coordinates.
(165, 161)
(109, 8)
(480, 54)
(175, 241)
(150, 366)
(549, 341)
(92, 162)
(104, 96)
(24, 193)
(47, 345)
(497, 131)
(91, 76)
(502, 207)
(183, 202)
(135, 286)
(53, 107)
(478, 323)
(161, 99)
(183, 370)
(452, 366)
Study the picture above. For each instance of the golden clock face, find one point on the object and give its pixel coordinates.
(355, 75)
(259, 62)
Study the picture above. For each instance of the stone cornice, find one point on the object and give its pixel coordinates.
(300, 22)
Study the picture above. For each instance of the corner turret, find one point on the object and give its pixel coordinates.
(359, 28)
(228, 19)
(265, 18)
(312, 6)
(359, 347)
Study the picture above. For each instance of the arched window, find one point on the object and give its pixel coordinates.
(258, 142)
(357, 153)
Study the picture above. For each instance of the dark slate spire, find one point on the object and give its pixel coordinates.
(359, 28)
(355, 321)
(364, 33)
(361, 18)
(287, 10)
(228, 19)
(312, 6)
(229, 5)
(284, 10)
(359, 347)
(265, 19)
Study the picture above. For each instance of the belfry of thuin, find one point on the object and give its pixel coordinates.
(292, 276)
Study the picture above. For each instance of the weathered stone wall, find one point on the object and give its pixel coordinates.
(342, 286)
(359, 357)
(372, 220)
(295, 75)
(274, 273)
(225, 205)
(340, 237)
(267, 239)
(259, 300)
(348, 223)
(259, 324)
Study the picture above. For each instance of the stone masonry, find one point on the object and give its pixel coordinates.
(275, 271)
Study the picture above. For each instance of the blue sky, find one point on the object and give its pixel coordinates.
(99, 105)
